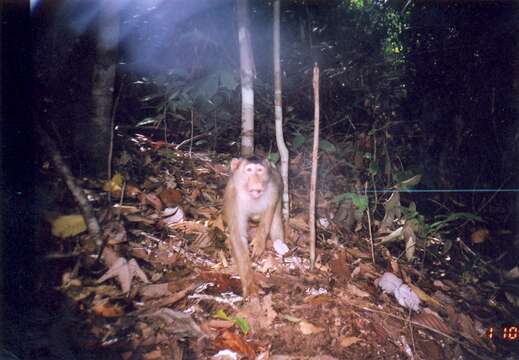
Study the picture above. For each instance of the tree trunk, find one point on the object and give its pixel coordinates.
(107, 37)
(247, 79)
(278, 110)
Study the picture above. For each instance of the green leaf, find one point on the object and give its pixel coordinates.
(341, 197)
(326, 146)
(228, 80)
(360, 201)
(243, 324)
(220, 314)
(447, 220)
(167, 153)
(411, 182)
(373, 168)
(297, 141)
(68, 225)
(208, 86)
(274, 158)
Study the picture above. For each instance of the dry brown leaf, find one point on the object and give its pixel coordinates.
(468, 329)
(300, 222)
(259, 313)
(155, 290)
(512, 274)
(434, 322)
(236, 343)
(220, 324)
(348, 341)
(339, 267)
(479, 236)
(358, 253)
(194, 195)
(175, 297)
(151, 199)
(442, 286)
(125, 271)
(318, 299)
(115, 232)
(184, 325)
(513, 299)
(223, 282)
(119, 209)
(218, 223)
(352, 289)
(202, 241)
(106, 309)
(132, 191)
(190, 227)
(141, 219)
(153, 355)
(126, 355)
(423, 296)
(369, 270)
(170, 197)
(395, 267)
(308, 328)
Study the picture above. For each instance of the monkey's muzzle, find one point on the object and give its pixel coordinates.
(256, 194)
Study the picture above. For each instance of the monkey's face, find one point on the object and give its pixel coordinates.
(251, 177)
(257, 178)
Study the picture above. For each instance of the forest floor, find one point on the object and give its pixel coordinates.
(165, 219)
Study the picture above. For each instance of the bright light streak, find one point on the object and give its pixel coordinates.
(34, 3)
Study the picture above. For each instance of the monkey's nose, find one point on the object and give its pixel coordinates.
(255, 193)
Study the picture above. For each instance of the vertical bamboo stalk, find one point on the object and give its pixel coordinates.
(313, 177)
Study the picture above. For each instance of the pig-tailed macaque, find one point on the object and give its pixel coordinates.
(253, 192)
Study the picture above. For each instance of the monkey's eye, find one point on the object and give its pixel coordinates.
(249, 169)
(260, 169)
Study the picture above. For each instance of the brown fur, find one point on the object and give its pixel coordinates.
(252, 192)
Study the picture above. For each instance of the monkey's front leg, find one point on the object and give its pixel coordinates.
(240, 252)
(259, 241)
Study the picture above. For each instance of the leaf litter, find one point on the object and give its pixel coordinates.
(171, 289)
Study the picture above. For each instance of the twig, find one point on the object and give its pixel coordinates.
(192, 138)
(369, 224)
(87, 211)
(278, 114)
(192, 132)
(313, 176)
(111, 146)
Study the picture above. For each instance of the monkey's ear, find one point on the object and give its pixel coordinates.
(235, 164)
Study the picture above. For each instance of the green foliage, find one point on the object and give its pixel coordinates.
(360, 201)
(242, 323)
(410, 213)
(176, 96)
(443, 221)
(326, 146)
(297, 141)
(373, 168)
(274, 157)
